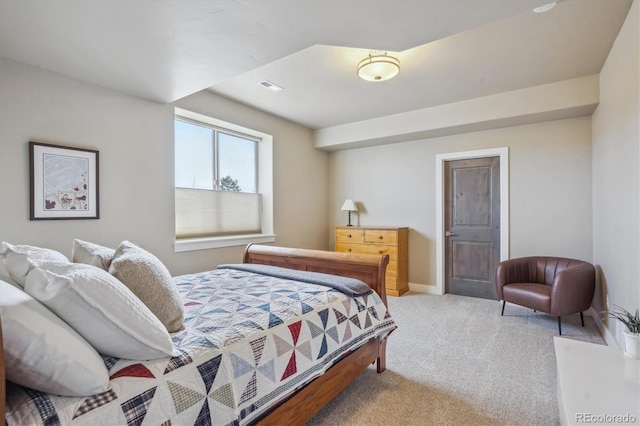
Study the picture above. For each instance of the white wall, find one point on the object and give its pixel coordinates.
(616, 176)
(576, 97)
(550, 188)
(135, 140)
(300, 172)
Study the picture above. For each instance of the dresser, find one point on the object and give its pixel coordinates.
(380, 240)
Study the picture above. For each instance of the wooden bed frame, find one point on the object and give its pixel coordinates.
(306, 402)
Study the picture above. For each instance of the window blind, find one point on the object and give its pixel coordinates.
(209, 213)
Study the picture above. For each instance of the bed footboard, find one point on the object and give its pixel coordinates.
(306, 402)
(365, 267)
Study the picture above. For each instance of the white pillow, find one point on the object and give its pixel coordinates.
(42, 352)
(148, 278)
(18, 259)
(3, 268)
(102, 309)
(91, 254)
(4, 274)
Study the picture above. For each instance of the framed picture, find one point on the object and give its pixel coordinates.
(64, 182)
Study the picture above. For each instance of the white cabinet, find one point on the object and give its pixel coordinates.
(597, 384)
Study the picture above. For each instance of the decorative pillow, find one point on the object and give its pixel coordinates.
(150, 280)
(42, 352)
(92, 254)
(18, 259)
(4, 274)
(101, 309)
(3, 268)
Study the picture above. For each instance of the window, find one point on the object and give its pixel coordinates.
(218, 187)
(214, 159)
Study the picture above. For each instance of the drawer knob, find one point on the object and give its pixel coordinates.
(380, 251)
(348, 235)
(380, 237)
(348, 249)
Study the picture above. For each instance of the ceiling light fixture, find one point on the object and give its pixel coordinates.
(545, 8)
(378, 66)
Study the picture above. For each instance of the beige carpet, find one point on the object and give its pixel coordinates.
(455, 361)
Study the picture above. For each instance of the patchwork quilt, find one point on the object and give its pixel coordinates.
(249, 341)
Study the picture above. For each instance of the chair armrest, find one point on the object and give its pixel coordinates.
(519, 270)
(572, 289)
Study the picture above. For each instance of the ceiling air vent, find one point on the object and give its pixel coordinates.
(270, 86)
(545, 8)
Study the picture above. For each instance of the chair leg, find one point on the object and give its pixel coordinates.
(559, 326)
(582, 318)
(503, 303)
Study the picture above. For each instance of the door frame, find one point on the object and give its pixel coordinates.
(503, 153)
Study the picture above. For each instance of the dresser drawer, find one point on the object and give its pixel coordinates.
(380, 236)
(350, 235)
(392, 251)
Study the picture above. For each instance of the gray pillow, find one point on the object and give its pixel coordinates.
(148, 278)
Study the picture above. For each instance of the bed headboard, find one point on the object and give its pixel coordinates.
(365, 267)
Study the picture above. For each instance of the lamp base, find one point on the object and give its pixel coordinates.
(349, 220)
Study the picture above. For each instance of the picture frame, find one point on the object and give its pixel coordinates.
(64, 182)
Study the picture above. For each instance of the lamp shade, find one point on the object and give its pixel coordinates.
(349, 205)
(378, 66)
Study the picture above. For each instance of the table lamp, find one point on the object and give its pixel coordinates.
(349, 206)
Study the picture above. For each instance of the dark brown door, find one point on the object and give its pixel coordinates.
(472, 226)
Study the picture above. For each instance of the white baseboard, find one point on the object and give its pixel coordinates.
(424, 288)
(606, 333)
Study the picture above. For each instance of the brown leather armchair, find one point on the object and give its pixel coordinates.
(553, 285)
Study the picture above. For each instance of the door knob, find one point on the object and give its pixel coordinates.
(449, 234)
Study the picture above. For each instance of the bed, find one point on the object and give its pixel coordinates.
(258, 347)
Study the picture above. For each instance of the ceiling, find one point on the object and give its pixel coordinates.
(449, 50)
